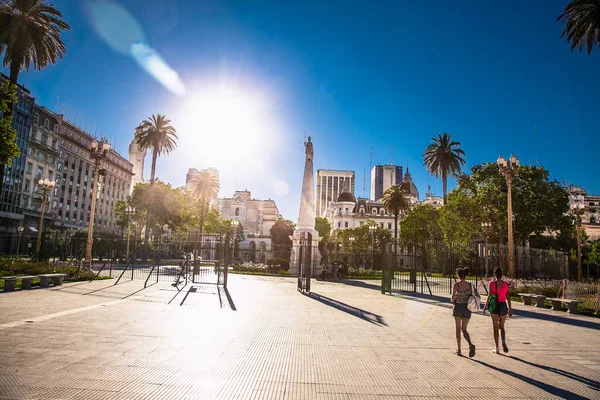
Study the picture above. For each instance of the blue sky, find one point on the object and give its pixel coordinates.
(497, 76)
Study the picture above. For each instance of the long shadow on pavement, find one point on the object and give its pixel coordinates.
(591, 383)
(362, 284)
(442, 301)
(357, 312)
(561, 393)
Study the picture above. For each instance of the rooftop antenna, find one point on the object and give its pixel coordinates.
(69, 113)
(391, 159)
(371, 159)
(364, 183)
(56, 107)
(62, 111)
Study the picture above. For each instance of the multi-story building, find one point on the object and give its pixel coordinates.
(256, 216)
(330, 183)
(590, 219)
(76, 177)
(348, 212)
(40, 163)
(382, 177)
(11, 197)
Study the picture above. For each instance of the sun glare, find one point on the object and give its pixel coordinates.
(227, 127)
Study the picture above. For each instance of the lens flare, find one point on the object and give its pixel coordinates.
(125, 35)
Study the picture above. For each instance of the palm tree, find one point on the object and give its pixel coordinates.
(30, 35)
(158, 134)
(205, 187)
(395, 201)
(583, 24)
(442, 158)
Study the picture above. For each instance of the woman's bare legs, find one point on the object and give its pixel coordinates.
(496, 324)
(502, 333)
(458, 324)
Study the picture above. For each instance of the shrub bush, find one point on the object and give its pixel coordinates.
(27, 267)
(284, 265)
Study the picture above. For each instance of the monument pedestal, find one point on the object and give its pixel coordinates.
(315, 254)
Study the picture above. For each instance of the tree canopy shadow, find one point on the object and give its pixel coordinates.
(355, 311)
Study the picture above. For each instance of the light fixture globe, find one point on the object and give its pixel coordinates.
(94, 145)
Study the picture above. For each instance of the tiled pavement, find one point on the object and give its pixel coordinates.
(264, 340)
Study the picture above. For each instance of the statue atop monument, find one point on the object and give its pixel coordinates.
(309, 150)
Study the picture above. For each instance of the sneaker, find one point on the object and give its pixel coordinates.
(472, 350)
(504, 347)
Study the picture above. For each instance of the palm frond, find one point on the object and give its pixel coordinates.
(582, 18)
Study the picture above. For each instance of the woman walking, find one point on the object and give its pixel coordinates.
(497, 304)
(460, 297)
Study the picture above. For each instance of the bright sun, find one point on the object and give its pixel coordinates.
(226, 122)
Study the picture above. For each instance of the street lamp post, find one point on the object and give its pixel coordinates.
(487, 226)
(352, 239)
(372, 228)
(509, 169)
(98, 151)
(130, 211)
(20, 230)
(45, 185)
(577, 204)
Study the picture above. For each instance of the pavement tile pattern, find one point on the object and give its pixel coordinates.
(261, 339)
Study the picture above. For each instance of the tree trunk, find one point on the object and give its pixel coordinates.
(147, 231)
(15, 68)
(444, 185)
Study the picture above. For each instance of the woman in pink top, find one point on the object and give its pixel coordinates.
(500, 289)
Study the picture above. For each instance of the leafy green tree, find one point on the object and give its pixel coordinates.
(280, 238)
(324, 228)
(582, 18)
(158, 134)
(444, 158)
(359, 240)
(8, 147)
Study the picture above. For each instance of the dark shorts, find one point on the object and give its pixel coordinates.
(502, 309)
(461, 311)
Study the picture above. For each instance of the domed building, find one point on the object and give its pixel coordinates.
(410, 189)
(435, 201)
(349, 212)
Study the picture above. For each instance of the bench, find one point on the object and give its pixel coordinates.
(571, 304)
(56, 279)
(10, 282)
(539, 299)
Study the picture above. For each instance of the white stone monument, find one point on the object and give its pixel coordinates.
(306, 218)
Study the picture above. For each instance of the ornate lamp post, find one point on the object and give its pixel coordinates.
(509, 168)
(45, 186)
(129, 211)
(234, 226)
(20, 230)
(372, 229)
(577, 204)
(487, 228)
(98, 151)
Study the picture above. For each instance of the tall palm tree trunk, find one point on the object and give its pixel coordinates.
(14, 73)
(148, 211)
(444, 185)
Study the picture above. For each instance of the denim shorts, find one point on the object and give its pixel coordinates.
(461, 311)
(502, 309)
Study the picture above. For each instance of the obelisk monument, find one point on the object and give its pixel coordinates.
(306, 217)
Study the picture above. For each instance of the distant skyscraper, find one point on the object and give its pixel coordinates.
(382, 177)
(136, 157)
(330, 183)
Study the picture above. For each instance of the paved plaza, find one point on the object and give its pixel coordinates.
(261, 339)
